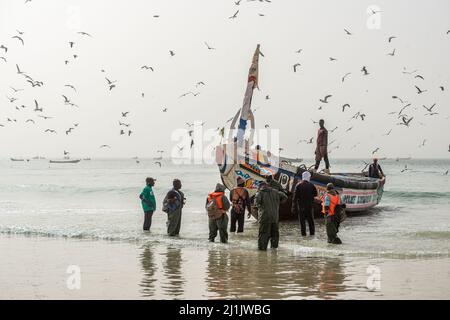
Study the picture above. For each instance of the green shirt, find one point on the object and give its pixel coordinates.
(149, 201)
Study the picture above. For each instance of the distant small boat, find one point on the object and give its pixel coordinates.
(15, 159)
(38, 158)
(65, 161)
(86, 159)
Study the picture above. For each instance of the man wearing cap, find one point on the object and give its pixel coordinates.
(303, 203)
(217, 205)
(148, 202)
(173, 205)
(331, 206)
(268, 202)
(240, 200)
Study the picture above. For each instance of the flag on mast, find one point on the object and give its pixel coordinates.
(251, 84)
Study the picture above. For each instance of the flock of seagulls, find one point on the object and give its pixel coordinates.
(406, 119)
(403, 115)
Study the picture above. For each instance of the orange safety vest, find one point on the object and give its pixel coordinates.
(218, 197)
(334, 201)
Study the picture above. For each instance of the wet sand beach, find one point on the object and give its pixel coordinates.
(36, 268)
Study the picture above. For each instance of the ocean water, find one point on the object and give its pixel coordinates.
(97, 200)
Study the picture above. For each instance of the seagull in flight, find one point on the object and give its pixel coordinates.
(16, 90)
(18, 70)
(343, 78)
(209, 48)
(344, 106)
(45, 117)
(234, 15)
(419, 91)
(325, 100)
(295, 66)
(71, 86)
(347, 32)
(19, 38)
(391, 38)
(364, 70)
(391, 53)
(430, 109)
(147, 67)
(124, 114)
(105, 146)
(84, 34)
(36, 108)
(406, 121)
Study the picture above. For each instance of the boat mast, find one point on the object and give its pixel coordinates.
(246, 112)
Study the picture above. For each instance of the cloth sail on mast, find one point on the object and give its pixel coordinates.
(246, 111)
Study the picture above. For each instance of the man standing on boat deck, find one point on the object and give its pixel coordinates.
(240, 200)
(148, 202)
(322, 147)
(375, 170)
(303, 203)
(173, 205)
(217, 205)
(268, 202)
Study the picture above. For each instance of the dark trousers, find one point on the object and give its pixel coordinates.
(327, 162)
(239, 218)
(306, 214)
(332, 226)
(220, 225)
(148, 220)
(268, 231)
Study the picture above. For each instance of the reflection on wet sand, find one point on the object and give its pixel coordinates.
(148, 270)
(261, 275)
(173, 276)
(241, 274)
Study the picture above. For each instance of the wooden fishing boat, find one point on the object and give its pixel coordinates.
(65, 161)
(236, 158)
(16, 159)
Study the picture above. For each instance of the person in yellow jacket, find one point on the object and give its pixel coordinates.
(331, 206)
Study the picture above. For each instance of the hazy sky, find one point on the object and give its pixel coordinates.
(126, 36)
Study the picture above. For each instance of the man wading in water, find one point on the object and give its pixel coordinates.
(217, 206)
(241, 200)
(268, 202)
(148, 202)
(173, 205)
